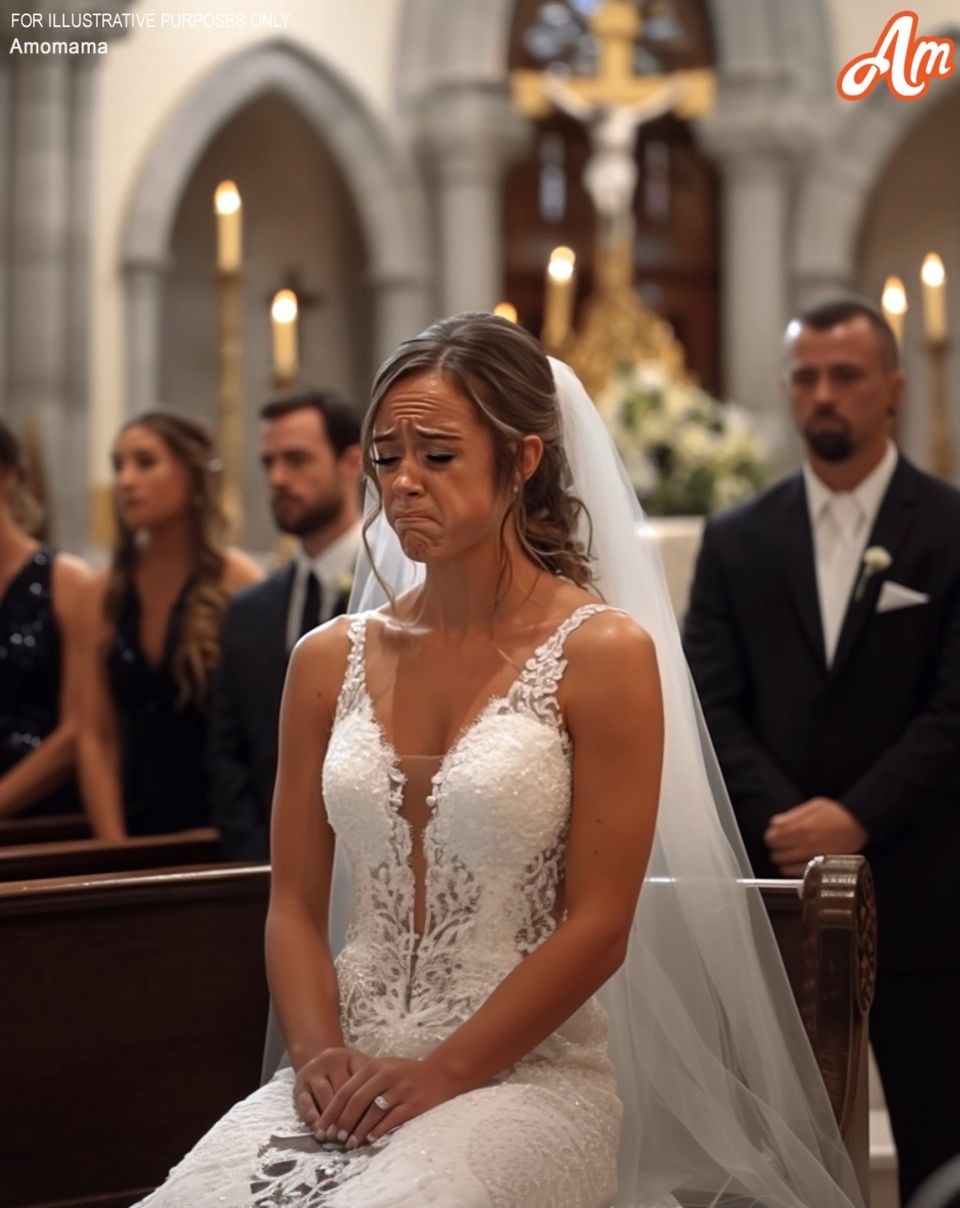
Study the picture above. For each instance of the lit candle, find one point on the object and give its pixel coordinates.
(558, 306)
(283, 313)
(229, 209)
(934, 301)
(894, 302)
(506, 310)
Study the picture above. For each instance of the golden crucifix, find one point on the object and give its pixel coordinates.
(617, 26)
(612, 104)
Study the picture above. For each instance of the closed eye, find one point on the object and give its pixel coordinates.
(437, 459)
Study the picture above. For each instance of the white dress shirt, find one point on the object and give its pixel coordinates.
(333, 567)
(842, 521)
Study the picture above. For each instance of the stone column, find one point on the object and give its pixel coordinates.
(757, 159)
(39, 261)
(469, 134)
(402, 307)
(144, 283)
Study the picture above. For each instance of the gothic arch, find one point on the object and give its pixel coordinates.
(381, 179)
(841, 180)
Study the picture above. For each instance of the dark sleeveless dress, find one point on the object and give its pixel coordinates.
(30, 672)
(161, 742)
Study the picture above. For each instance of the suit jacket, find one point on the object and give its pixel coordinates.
(879, 730)
(241, 756)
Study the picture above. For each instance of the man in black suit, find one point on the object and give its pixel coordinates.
(311, 455)
(824, 637)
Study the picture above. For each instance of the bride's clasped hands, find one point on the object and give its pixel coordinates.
(382, 1094)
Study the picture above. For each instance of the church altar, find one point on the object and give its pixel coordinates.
(678, 540)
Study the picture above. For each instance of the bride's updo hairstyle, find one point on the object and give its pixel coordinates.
(504, 372)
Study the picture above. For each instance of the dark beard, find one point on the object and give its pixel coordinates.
(829, 444)
(310, 520)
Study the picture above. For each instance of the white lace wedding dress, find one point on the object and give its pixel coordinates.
(542, 1135)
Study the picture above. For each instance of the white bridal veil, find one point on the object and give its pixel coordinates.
(723, 1101)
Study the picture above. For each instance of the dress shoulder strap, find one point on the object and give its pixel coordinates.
(354, 676)
(535, 690)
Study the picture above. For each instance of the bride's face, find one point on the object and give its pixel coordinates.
(436, 469)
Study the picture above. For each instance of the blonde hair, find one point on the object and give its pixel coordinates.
(504, 372)
(197, 652)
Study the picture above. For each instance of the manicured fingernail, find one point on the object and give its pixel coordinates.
(332, 1133)
(352, 1143)
(342, 1135)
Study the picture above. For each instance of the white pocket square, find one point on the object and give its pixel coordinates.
(894, 595)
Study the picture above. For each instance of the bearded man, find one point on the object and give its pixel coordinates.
(310, 452)
(824, 638)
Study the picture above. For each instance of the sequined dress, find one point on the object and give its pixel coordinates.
(542, 1135)
(30, 674)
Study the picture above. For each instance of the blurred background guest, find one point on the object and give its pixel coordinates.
(152, 631)
(40, 637)
(310, 450)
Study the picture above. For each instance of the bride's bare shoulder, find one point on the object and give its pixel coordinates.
(318, 662)
(609, 657)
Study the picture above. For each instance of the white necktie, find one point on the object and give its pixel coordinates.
(840, 538)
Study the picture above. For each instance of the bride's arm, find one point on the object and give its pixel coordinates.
(614, 714)
(300, 969)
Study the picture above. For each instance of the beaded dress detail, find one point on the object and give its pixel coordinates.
(421, 958)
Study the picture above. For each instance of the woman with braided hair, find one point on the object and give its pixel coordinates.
(152, 631)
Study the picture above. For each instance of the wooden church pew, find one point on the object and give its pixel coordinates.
(132, 1016)
(54, 828)
(145, 994)
(80, 857)
(826, 929)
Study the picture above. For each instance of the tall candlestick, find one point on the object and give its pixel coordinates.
(229, 210)
(934, 280)
(894, 302)
(283, 314)
(558, 304)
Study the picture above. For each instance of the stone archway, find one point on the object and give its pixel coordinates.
(381, 179)
(841, 180)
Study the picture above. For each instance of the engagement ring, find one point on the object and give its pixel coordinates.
(381, 1102)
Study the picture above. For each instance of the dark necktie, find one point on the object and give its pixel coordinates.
(310, 617)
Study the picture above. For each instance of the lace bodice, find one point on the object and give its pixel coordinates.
(493, 851)
(482, 873)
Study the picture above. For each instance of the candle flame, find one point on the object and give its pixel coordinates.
(562, 262)
(506, 310)
(933, 272)
(226, 198)
(894, 299)
(284, 307)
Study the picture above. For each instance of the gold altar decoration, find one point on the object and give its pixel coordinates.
(228, 209)
(617, 325)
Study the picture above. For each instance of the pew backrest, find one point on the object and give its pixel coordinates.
(80, 857)
(132, 1016)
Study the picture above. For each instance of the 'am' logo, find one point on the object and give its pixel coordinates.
(908, 63)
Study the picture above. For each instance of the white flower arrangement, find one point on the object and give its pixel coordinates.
(686, 452)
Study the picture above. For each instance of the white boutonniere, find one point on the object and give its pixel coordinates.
(875, 559)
